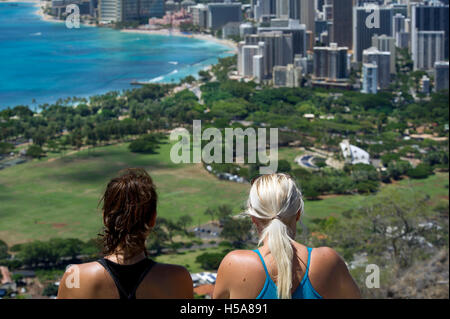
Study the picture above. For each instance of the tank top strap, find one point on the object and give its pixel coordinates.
(309, 259)
(263, 263)
(122, 292)
(141, 278)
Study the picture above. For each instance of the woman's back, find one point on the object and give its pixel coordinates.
(242, 275)
(281, 268)
(303, 290)
(124, 281)
(129, 215)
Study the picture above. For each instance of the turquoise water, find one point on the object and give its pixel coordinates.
(45, 60)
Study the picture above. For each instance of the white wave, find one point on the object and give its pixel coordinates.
(173, 62)
(36, 34)
(159, 78)
(173, 72)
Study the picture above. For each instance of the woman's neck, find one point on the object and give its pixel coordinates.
(120, 257)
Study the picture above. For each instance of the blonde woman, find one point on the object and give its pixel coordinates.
(281, 267)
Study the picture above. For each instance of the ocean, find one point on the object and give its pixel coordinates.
(46, 61)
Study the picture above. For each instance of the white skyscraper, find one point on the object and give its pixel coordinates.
(110, 11)
(370, 78)
(248, 52)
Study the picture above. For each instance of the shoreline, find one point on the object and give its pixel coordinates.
(176, 33)
(38, 5)
(163, 32)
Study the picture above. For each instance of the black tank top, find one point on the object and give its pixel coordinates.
(127, 277)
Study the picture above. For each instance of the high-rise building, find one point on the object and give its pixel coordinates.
(430, 17)
(428, 49)
(246, 28)
(220, 14)
(341, 28)
(425, 85)
(111, 11)
(264, 8)
(293, 27)
(287, 76)
(330, 63)
(370, 78)
(386, 44)
(258, 67)
(440, 76)
(275, 47)
(369, 20)
(398, 30)
(248, 52)
(383, 61)
(303, 10)
(283, 9)
(307, 14)
(398, 24)
(200, 15)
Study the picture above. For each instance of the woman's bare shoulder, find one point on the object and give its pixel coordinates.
(240, 260)
(169, 269)
(330, 276)
(81, 279)
(174, 281)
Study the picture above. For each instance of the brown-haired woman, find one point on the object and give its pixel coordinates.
(129, 213)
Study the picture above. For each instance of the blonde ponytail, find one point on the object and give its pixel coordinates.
(277, 199)
(281, 249)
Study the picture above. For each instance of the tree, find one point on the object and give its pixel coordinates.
(210, 212)
(223, 212)
(204, 75)
(6, 147)
(284, 166)
(158, 237)
(189, 79)
(210, 261)
(236, 230)
(3, 250)
(147, 144)
(50, 290)
(184, 221)
(399, 223)
(398, 168)
(421, 171)
(35, 151)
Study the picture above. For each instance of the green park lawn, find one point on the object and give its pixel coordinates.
(187, 259)
(59, 196)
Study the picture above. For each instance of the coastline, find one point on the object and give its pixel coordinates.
(164, 32)
(229, 47)
(177, 33)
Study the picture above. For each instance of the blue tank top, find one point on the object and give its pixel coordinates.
(304, 291)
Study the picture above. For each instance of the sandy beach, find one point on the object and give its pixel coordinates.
(176, 33)
(165, 32)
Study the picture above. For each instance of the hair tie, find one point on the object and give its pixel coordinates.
(275, 217)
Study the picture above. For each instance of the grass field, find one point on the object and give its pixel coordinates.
(435, 186)
(58, 197)
(187, 259)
